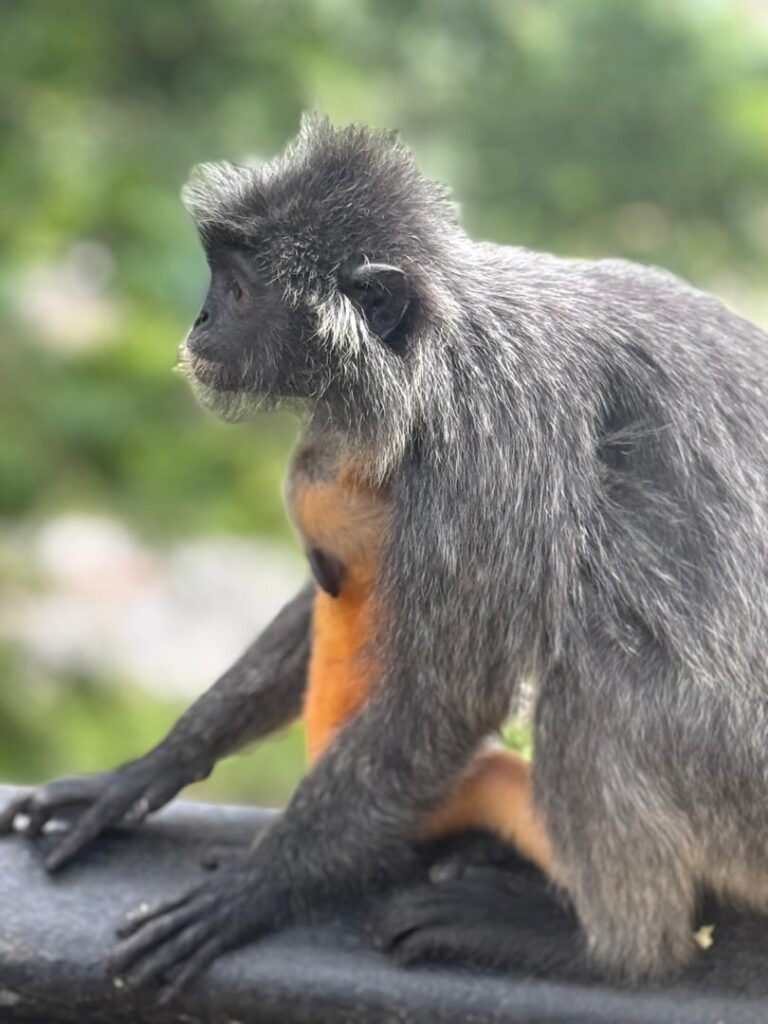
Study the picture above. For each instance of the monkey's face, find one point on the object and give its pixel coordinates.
(329, 284)
(257, 342)
(236, 353)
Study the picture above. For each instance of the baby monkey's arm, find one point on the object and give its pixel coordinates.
(262, 691)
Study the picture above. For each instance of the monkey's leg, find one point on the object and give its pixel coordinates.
(626, 851)
(623, 851)
(480, 906)
(262, 691)
(495, 794)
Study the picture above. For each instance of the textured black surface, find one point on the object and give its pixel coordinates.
(55, 934)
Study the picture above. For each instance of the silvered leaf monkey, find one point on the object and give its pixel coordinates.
(573, 461)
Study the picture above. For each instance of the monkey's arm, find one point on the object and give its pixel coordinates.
(446, 684)
(262, 691)
(346, 826)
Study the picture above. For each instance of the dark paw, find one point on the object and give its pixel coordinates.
(168, 946)
(409, 925)
(478, 914)
(90, 804)
(437, 922)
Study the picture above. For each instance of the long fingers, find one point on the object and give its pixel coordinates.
(106, 811)
(133, 947)
(52, 800)
(161, 938)
(140, 918)
(194, 966)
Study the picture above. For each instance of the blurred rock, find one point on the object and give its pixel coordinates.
(100, 601)
(66, 304)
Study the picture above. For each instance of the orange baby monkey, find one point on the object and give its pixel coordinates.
(342, 520)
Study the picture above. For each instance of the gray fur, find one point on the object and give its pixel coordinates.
(579, 461)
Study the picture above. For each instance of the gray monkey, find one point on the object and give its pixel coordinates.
(574, 458)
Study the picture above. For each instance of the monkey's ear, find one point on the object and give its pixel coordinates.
(383, 294)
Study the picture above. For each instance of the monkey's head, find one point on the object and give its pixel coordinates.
(329, 281)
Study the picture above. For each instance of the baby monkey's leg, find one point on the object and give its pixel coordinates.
(495, 793)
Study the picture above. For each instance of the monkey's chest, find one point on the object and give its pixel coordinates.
(342, 524)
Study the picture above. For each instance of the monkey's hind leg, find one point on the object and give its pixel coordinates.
(625, 850)
(484, 905)
(625, 870)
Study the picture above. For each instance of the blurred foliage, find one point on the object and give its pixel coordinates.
(593, 127)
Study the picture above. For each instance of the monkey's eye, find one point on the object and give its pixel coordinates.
(235, 290)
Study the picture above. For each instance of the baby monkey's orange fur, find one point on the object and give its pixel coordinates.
(339, 514)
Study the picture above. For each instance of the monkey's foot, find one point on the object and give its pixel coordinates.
(169, 945)
(495, 912)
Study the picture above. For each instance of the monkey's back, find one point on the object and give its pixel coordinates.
(651, 418)
(666, 391)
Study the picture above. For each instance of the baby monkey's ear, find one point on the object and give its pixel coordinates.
(383, 294)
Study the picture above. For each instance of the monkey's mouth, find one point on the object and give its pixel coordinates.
(199, 370)
(215, 388)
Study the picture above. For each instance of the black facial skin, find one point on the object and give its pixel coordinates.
(242, 338)
(248, 347)
(575, 453)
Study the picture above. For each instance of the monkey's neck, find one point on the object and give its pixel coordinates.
(374, 463)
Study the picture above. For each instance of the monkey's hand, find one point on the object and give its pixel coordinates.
(168, 945)
(93, 803)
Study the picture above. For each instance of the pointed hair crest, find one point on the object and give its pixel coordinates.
(223, 195)
(324, 171)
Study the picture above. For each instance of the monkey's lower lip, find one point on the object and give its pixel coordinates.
(189, 365)
(208, 372)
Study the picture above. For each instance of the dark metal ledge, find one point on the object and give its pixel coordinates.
(55, 933)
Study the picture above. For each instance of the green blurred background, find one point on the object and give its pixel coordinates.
(141, 542)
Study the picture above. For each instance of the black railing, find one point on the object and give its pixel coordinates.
(55, 934)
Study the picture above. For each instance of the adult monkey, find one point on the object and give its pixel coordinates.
(575, 459)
